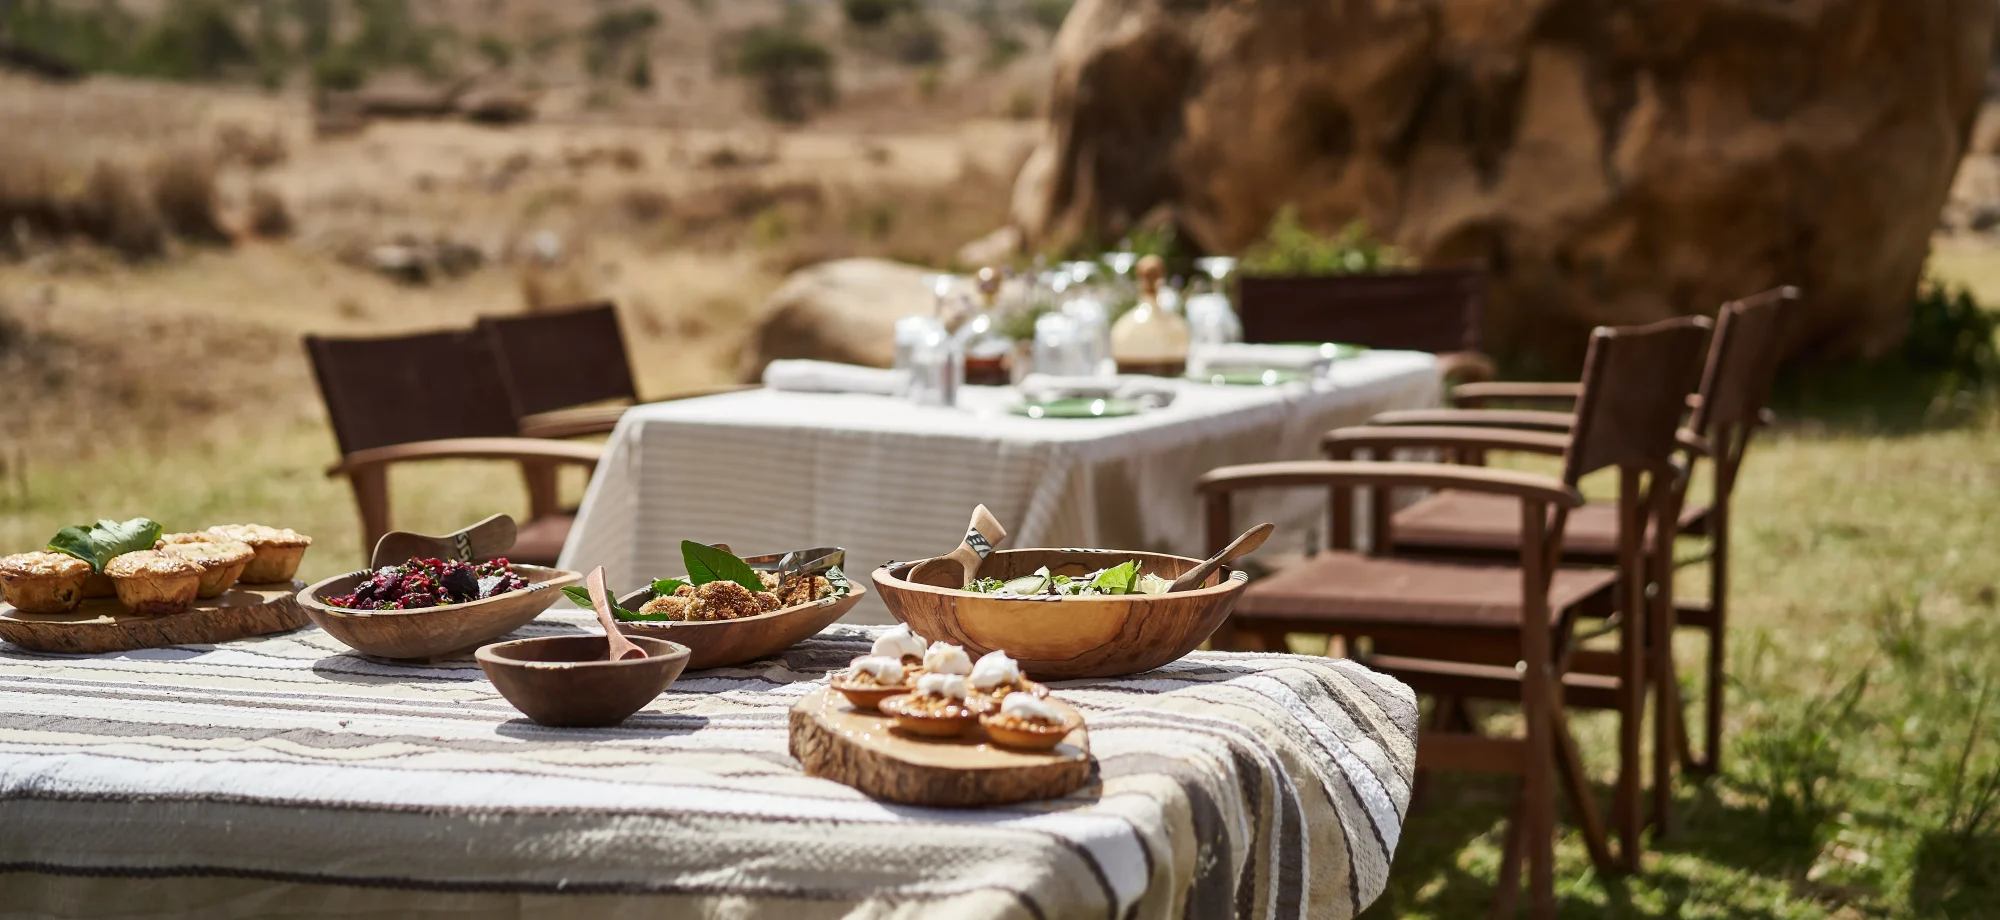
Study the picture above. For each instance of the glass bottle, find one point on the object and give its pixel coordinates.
(1150, 339)
(989, 355)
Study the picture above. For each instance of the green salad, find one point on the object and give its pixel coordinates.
(1118, 579)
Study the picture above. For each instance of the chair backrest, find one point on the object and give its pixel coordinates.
(399, 389)
(557, 360)
(1749, 343)
(1635, 385)
(1434, 310)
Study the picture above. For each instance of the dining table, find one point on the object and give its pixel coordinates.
(767, 470)
(286, 775)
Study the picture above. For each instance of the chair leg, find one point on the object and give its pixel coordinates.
(1507, 890)
(1718, 599)
(1538, 825)
(1666, 701)
(1631, 721)
(1570, 760)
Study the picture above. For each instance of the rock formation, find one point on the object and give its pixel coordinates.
(1607, 161)
(844, 310)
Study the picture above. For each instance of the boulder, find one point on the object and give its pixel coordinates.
(1606, 162)
(844, 310)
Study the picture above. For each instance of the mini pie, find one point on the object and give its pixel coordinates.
(1027, 721)
(222, 562)
(153, 582)
(97, 584)
(870, 679)
(901, 644)
(278, 551)
(44, 582)
(938, 708)
(994, 677)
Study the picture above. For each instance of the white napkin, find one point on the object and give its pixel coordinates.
(1156, 391)
(1263, 357)
(831, 377)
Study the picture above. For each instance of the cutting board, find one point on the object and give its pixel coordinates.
(103, 625)
(862, 749)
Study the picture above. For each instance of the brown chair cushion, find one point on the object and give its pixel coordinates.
(541, 540)
(1339, 590)
(1480, 524)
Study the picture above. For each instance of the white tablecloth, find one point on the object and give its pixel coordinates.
(769, 470)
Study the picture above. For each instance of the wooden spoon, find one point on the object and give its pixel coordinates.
(1241, 546)
(981, 536)
(622, 648)
(486, 539)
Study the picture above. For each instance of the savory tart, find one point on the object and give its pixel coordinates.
(278, 551)
(995, 677)
(222, 561)
(901, 644)
(937, 708)
(1030, 722)
(870, 679)
(43, 582)
(150, 581)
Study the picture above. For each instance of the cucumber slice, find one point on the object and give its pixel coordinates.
(1027, 584)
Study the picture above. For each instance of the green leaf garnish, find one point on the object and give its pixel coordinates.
(99, 543)
(580, 595)
(706, 564)
(1117, 579)
(985, 586)
(666, 586)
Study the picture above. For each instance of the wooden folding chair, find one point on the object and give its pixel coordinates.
(1726, 409)
(1435, 310)
(566, 371)
(434, 396)
(1457, 629)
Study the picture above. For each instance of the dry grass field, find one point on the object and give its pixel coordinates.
(1863, 775)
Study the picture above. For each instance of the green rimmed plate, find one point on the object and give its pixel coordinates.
(1334, 350)
(1250, 377)
(1079, 407)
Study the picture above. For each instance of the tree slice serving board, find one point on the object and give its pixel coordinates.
(862, 749)
(103, 625)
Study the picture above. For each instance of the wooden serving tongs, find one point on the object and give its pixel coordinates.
(981, 536)
(484, 540)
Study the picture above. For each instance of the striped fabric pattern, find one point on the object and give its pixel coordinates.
(287, 774)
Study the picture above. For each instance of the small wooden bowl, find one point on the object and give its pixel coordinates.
(433, 631)
(566, 681)
(929, 726)
(867, 698)
(1040, 739)
(721, 643)
(1068, 637)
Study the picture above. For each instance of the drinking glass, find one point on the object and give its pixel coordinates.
(936, 365)
(1063, 347)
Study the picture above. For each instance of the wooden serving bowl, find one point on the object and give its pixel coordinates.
(721, 643)
(433, 632)
(568, 682)
(1066, 637)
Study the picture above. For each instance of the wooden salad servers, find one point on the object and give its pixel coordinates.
(981, 536)
(1241, 546)
(621, 649)
(484, 540)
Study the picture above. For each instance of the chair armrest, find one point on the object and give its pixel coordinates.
(1295, 473)
(519, 449)
(1518, 419)
(1381, 438)
(1476, 395)
(1693, 443)
(569, 423)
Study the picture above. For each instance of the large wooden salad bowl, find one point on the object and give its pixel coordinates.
(1068, 637)
(433, 632)
(722, 643)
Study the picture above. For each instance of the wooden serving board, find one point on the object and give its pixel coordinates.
(103, 625)
(863, 749)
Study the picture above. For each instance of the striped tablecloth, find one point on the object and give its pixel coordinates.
(285, 776)
(770, 470)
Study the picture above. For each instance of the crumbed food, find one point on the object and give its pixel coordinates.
(723, 600)
(222, 561)
(278, 550)
(673, 605)
(153, 582)
(43, 582)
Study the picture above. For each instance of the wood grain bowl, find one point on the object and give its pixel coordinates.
(567, 682)
(722, 643)
(432, 632)
(1068, 637)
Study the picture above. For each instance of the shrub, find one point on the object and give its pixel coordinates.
(495, 50)
(868, 14)
(338, 71)
(1290, 249)
(794, 73)
(192, 39)
(1950, 332)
